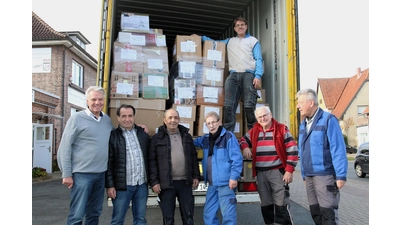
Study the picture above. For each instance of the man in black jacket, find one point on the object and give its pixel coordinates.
(127, 174)
(173, 168)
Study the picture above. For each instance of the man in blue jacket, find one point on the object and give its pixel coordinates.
(222, 164)
(323, 158)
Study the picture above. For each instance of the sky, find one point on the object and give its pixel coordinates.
(333, 35)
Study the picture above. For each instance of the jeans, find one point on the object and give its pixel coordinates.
(138, 195)
(223, 198)
(239, 85)
(87, 197)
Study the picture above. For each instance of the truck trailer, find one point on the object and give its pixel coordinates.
(274, 23)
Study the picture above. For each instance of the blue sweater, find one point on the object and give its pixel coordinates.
(322, 151)
(227, 160)
(84, 145)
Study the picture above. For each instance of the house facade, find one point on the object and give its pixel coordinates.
(61, 72)
(348, 100)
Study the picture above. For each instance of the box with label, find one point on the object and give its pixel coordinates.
(155, 59)
(214, 54)
(127, 58)
(142, 39)
(261, 96)
(184, 91)
(135, 22)
(186, 112)
(155, 85)
(190, 69)
(189, 124)
(187, 48)
(152, 119)
(209, 95)
(124, 85)
(212, 77)
(202, 110)
(238, 130)
(140, 103)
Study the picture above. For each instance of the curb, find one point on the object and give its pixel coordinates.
(50, 177)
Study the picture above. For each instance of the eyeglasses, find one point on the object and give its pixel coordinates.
(212, 123)
(263, 116)
(240, 25)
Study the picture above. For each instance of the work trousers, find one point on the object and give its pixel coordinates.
(323, 199)
(239, 85)
(167, 202)
(274, 195)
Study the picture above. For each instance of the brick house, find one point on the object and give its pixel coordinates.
(61, 72)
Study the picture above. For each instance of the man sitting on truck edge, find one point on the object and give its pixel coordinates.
(222, 166)
(275, 155)
(245, 72)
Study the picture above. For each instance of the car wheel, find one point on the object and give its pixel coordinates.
(359, 171)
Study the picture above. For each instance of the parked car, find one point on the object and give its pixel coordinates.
(361, 161)
(350, 149)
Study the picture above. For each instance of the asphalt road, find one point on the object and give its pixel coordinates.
(50, 205)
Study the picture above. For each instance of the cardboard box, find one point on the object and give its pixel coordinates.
(238, 130)
(184, 91)
(155, 85)
(152, 119)
(140, 103)
(155, 59)
(186, 112)
(135, 22)
(209, 95)
(187, 48)
(124, 85)
(141, 39)
(189, 124)
(214, 54)
(190, 69)
(202, 110)
(212, 77)
(127, 58)
(261, 96)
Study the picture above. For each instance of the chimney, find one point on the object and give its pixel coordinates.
(358, 72)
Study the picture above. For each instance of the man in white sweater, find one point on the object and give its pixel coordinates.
(245, 72)
(82, 158)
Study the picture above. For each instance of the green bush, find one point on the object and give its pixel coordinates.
(38, 172)
(55, 165)
(345, 139)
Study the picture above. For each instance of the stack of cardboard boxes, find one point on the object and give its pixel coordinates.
(194, 85)
(140, 71)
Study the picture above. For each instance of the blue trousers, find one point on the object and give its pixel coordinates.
(222, 198)
(87, 197)
(138, 194)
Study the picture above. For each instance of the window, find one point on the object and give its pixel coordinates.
(361, 109)
(73, 111)
(77, 74)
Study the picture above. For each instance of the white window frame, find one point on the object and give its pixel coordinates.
(361, 109)
(74, 110)
(77, 74)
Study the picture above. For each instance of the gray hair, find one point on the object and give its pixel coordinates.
(262, 107)
(94, 88)
(310, 93)
(165, 112)
(212, 114)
